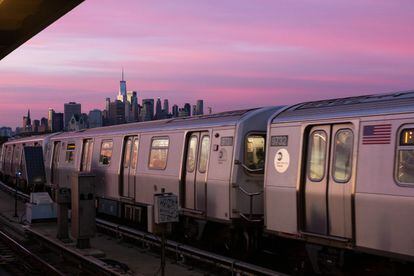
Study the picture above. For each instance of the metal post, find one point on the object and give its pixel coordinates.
(18, 173)
(163, 250)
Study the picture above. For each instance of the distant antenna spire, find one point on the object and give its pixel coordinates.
(122, 73)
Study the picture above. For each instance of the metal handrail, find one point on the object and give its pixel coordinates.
(244, 166)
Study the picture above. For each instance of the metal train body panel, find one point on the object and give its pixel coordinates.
(11, 159)
(358, 203)
(211, 192)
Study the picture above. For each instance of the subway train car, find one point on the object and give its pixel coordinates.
(11, 158)
(214, 163)
(340, 173)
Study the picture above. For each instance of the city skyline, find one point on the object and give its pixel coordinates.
(235, 54)
(122, 109)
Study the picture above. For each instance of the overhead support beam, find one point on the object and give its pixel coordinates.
(20, 20)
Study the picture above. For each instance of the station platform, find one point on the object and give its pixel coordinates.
(140, 261)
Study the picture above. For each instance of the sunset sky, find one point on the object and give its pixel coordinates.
(231, 53)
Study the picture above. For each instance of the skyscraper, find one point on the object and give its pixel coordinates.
(194, 110)
(158, 108)
(44, 125)
(27, 122)
(131, 95)
(95, 118)
(200, 107)
(135, 109)
(57, 123)
(122, 95)
(36, 124)
(166, 108)
(70, 109)
(187, 107)
(147, 111)
(116, 113)
(174, 111)
(50, 114)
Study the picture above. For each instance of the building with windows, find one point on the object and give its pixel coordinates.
(95, 118)
(147, 111)
(6, 132)
(57, 122)
(116, 113)
(70, 109)
(199, 107)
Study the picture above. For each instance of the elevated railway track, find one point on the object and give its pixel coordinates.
(225, 264)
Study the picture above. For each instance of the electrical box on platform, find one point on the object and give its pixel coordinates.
(165, 208)
(83, 206)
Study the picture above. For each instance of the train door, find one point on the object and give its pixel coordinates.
(129, 166)
(198, 149)
(328, 185)
(55, 163)
(87, 150)
(8, 166)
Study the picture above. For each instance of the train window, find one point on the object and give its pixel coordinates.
(342, 165)
(70, 153)
(254, 157)
(405, 158)
(17, 153)
(134, 159)
(127, 153)
(191, 154)
(204, 152)
(317, 156)
(106, 152)
(159, 153)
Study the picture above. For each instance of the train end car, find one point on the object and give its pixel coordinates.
(340, 174)
(12, 158)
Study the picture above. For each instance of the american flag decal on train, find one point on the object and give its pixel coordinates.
(376, 134)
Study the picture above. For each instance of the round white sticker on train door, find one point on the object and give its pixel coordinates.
(282, 160)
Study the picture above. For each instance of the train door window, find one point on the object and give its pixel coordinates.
(86, 155)
(405, 157)
(342, 165)
(254, 157)
(106, 152)
(317, 155)
(159, 153)
(192, 153)
(127, 153)
(70, 153)
(134, 158)
(204, 153)
(17, 154)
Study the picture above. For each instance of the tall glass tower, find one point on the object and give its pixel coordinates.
(122, 95)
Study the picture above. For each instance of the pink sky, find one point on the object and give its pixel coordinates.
(233, 53)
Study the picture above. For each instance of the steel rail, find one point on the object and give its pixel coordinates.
(29, 257)
(230, 264)
(90, 265)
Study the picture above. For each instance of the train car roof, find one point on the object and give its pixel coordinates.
(229, 118)
(32, 138)
(378, 104)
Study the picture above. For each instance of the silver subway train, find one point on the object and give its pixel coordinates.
(12, 157)
(341, 172)
(338, 173)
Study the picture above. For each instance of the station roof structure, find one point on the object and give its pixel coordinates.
(20, 20)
